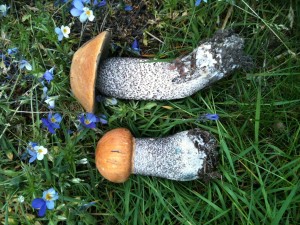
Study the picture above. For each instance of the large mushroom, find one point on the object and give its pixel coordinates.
(184, 156)
(143, 79)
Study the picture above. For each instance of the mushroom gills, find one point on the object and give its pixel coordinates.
(143, 79)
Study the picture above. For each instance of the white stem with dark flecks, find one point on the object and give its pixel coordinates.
(142, 79)
(185, 156)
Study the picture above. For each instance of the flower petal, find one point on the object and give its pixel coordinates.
(57, 117)
(135, 45)
(100, 4)
(76, 12)
(28, 66)
(212, 116)
(31, 153)
(91, 117)
(55, 125)
(78, 4)
(11, 51)
(103, 121)
(40, 156)
(60, 37)
(48, 76)
(33, 156)
(50, 204)
(91, 17)
(42, 211)
(45, 90)
(38, 203)
(83, 17)
(58, 30)
(128, 8)
(91, 125)
(47, 124)
(32, 159)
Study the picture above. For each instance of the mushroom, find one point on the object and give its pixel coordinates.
(143, 79)
(184, 156)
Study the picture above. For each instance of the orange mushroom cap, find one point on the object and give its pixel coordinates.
(114, 155)
(84, 69)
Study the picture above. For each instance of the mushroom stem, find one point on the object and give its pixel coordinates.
(142, 79)
(184, 156)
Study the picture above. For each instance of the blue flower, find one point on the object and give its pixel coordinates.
(209, 116)
(197, 3)
(135, 46)
(48, 75)
(110, 101)
(51, 101)
(50, 196)
(3, 10)
(106, 100)
(40, 152)
(47, 202)
(23, 63)
(52, 122)
(83, 12)
(62, 32)
(99, 4)
(128, 8)
(103, 119)
(12, 51)
(212, 116)
(89, 120)
(45, 91)
(87, 205)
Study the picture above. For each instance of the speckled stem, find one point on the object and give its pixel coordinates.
(142, 79)
(185, 156)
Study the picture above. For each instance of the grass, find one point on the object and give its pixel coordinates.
(258, 130)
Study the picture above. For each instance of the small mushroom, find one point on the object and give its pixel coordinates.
(143, 79)
(184, 156)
